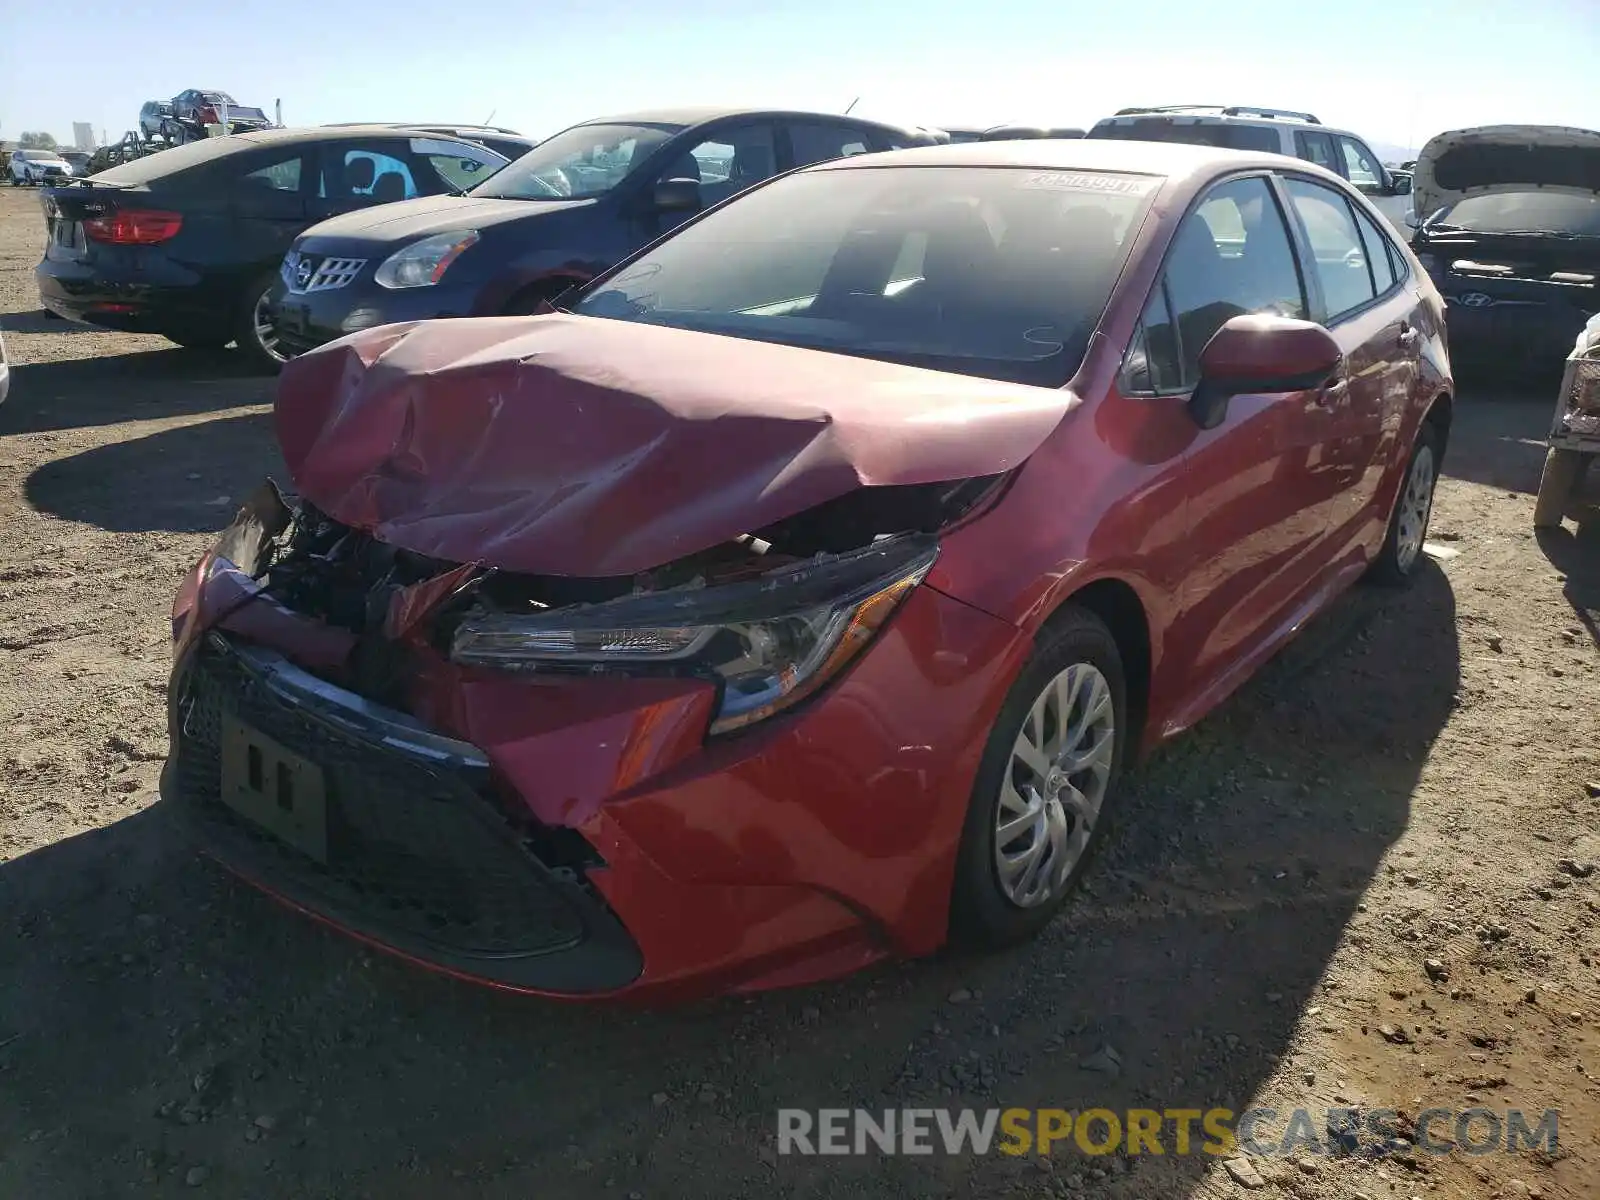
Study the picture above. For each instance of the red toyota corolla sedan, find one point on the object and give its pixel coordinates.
(799, 596)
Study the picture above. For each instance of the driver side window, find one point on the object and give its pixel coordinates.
(1231, 256)
(736, 158)
(1360, 167)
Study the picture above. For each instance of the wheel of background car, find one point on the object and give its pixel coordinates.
(1042, 798)
(253, 331)
(1408, 523)
(1563, 471)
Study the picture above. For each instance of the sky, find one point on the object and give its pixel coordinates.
(1395, 72)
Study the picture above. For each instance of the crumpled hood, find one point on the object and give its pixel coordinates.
(579, 446)
(1505, 158)
(427, 215)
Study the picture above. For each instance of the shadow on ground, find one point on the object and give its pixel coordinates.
(40, 321)
(143, 386)
(186, 479)
(1577, 556)
(156, 1008)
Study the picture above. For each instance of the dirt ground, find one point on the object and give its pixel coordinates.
(1365, 881)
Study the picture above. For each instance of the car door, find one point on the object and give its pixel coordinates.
(1256, 485)
(1357, 296)
(268, 198)
(818, 141)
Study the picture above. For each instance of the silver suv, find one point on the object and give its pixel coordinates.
(1276, 131)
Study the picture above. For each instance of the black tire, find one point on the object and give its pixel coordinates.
(259, 353)
(982, 916)
(195, 339)
(1395, 566)
(1563, 471)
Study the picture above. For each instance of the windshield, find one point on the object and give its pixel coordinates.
(584, 161)
(40, 155)
(1520, 212)
(991, 271)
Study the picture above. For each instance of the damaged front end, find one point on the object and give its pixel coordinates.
(421, 751)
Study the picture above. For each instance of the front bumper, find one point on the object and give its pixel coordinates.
(306, 320)
(809, 846)
(419, 858)
(1510, 327)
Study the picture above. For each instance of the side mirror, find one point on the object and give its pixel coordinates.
(677, 195)
(1261, 352)
(1400, 185)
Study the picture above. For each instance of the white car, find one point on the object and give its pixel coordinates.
(38, 167)
(1276, 131)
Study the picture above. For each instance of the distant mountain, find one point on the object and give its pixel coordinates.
(1389, 152)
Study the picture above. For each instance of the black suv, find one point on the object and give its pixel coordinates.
(187, 242)
(575, 205)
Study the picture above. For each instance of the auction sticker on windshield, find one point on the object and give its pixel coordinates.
(1078, 181)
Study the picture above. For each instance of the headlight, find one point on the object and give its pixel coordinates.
(768, 643)
(423, 264)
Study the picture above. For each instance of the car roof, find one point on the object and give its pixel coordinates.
(1210, 116)
(1175, 161)
(690, 115)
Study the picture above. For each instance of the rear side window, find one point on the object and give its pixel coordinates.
(1231, 256)
(1378, 251)
(1339, 255)
(817, 142)
(281, 176)
(1317, 148)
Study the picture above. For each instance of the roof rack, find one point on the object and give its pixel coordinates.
(1221, 110)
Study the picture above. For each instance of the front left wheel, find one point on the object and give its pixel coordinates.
(1042, 798)
(254, 331)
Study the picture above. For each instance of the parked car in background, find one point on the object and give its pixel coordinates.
(153, 118)
(801, 595)
(558, 216)
(1280, 131)
(1510, 233)
(187, 242)
(1574, 439)
(502, 141)
(33, 168)
(195, 110)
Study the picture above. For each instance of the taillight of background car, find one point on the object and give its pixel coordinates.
(134, 226)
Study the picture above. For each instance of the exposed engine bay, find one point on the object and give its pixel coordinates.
(317, 567)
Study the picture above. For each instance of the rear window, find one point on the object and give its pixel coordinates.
(1226, 135)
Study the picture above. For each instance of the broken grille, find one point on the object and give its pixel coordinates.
(414, 846)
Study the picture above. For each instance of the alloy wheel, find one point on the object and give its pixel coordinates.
(1416, 505)
(1054, 786)
(266, 334)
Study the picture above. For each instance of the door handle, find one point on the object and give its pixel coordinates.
(1408, 337)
